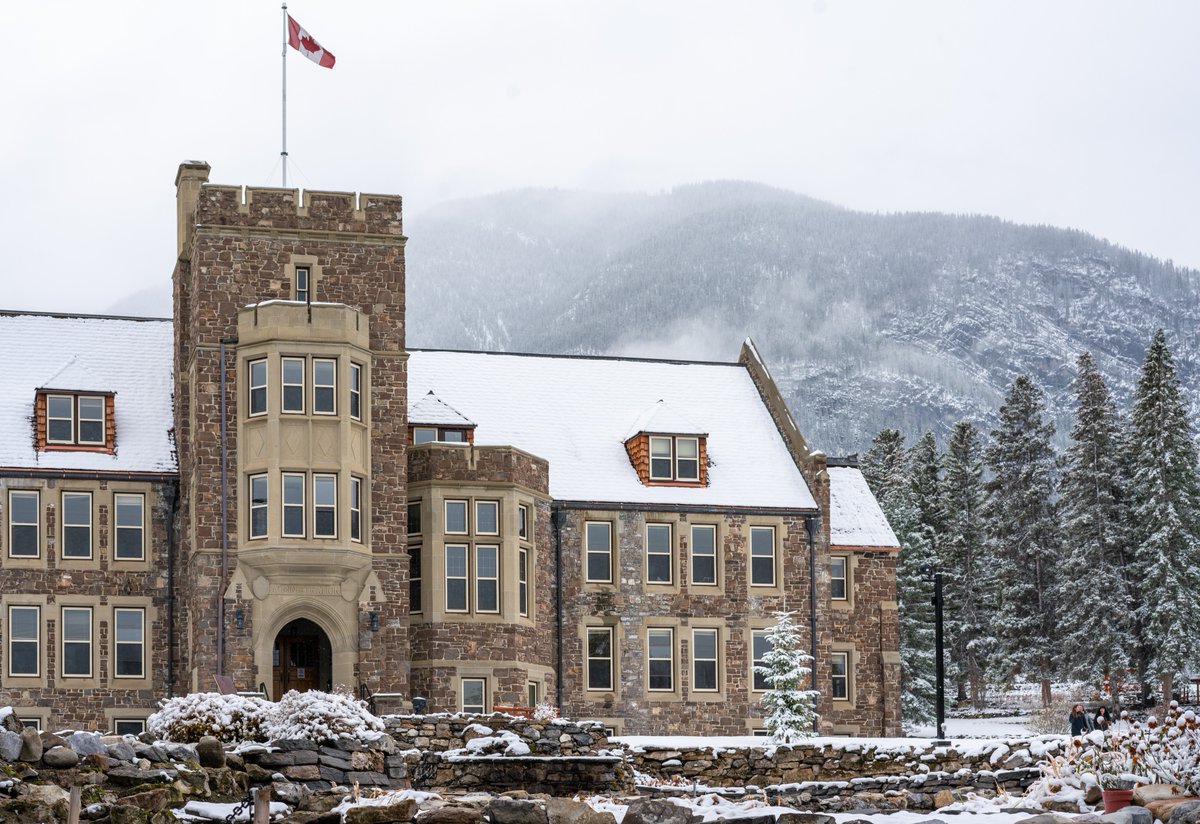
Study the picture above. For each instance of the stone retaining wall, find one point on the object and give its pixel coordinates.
(440, 732)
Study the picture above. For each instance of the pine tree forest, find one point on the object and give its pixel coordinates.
(1078, 565)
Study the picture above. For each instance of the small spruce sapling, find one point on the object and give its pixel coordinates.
(790, 709)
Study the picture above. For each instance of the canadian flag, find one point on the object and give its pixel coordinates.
(303, 42)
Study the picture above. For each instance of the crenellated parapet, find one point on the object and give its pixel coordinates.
(274, 208)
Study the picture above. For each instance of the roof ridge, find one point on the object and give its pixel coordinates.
(622, 358)
(16, 313)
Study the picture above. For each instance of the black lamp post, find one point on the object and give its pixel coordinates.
(935, 577)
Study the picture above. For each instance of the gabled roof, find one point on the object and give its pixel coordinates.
(661, 419)
(129, 357)
(432, 410)
(855, 519)
(576, 413)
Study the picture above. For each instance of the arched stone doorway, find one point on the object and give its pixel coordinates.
(301, 659)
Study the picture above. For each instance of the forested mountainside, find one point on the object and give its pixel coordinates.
(910, 321)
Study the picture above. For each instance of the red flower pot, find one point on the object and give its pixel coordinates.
(1116, 799)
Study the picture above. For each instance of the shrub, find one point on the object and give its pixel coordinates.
(322, 716)
(231, 718)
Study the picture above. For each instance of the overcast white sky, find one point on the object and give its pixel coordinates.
(1081, 114)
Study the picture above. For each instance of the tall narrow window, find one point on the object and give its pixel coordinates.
(77, 525)
(456, 517)
(324, 506)
(600, 658)
(761, 645)
(474, 695)
(837, 577)
(704, 660)
(324, 386)
(24, 524)
(76, 642)
(531, 693)
(60, 419)
(599, 551)
(293, 505)
(414, 517)
(91, 420)
(660, 459)
(704, 555)
(523, 580)
(414, 579)
(523, 522)
(487, 519)
(130, 643)
(131, 527)
(660, 659)
(762, 556)
(658, 553)
(24, 641)
(356, 391)
(487, 578)
(456, 578)
(302, 285)
(687, 459)
(258, 506)
(292, 382)
(258, 387)
(840, 669)
(355, 509)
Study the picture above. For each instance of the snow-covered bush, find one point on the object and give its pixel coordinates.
(790, 709)
(322, 716)
(231, 718)
(545, 712)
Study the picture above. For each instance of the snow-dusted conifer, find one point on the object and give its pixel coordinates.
(789, 708)
(1023, 535)
(1165, 492)
(1096, 638)
(967, 571)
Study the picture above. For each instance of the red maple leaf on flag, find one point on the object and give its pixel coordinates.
(309, 44)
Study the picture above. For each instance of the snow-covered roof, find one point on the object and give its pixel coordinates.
(130, 358)
(662, 419)
(432, 410)
(855, 518)
(576, 413)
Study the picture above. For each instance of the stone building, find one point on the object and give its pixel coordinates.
(270, 486)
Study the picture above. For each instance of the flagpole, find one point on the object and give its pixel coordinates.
(283, 153)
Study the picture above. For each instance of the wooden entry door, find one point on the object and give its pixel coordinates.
(296, 659)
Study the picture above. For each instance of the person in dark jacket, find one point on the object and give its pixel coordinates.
(1100, 719)
(1080, 723)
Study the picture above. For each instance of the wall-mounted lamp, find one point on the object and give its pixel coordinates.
(239, 618)
(374, 620)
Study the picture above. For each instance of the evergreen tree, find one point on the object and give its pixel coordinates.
(925, 468)
(789, 709)
(885, 466)
(1096, 638)
(1023, 535)
(1165, 496)
(968, 580)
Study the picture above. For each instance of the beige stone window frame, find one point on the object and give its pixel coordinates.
(64, 640)
(302, 284)
(356, 508)
(291, 505)
(11, 638)
(523, 522)
(117, 643)
(654, 635)
(755, 636)
(119, 528)
(355, 390)
(117, 722)
(715, 555)
(330, 386)
(416, 589)
(658, 529)
(482, 706)
(483, 506)
(523, 581)
(466, 516)
(589, 658)
(846, 657)
(464, 576)
(845, 577)
(65, 525)
(755, 553)
(285, 384)
(324, 483)
(14, 524)
(414, 507)
(533, 691)
(715, 659)
(261, 479)
(607, 551)
(481, 579)
(257, 391)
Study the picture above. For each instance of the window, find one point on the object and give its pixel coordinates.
(324, 386)
(523, 522)
(130, 629)
(77, 525)
(687, 459)
(424, 434)
(129, 726)
(762, 556)
(487, 520)
(439, 434)
(761, 645)
(131, 511)
(356, 509)
(660, 658)
(258, 387)
(531, 693)
(837, 577)
(414, 579)
(24, 640)
(76, 642)
(258, 506)
(293, 505)
(414, 517)
(660, 459)
(674, 459)
(704, 660)
(840, 676)
(324, 506)
(487, 578)
(658, 553)
(302, 288)
(456, 517)
(523, 580)
(292, 370)
(704, 555)
(599, 551)
(60, 419)
(600, 658)
(23, 524)
(456, 578)
(75, 420)
(474, 695)
(356, 391)
(452, 435)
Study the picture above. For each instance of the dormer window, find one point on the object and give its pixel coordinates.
(439, 434)
(69, 420)
(432, 420)
(674, 458)
(666, 448)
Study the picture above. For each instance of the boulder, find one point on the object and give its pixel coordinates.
(31, 745)
(10, 745)
(10, 722)
(804, 818)
(656, 811)
(48, 794)
(86, 743)
(60, 758)
(210, 753)
(453, 815)
(1162, 809)
(289, 793)
(49, 740)
(566, 811)
(1049, 818)
(1129, 815)
(121, 750)
(516, 811)
(404, 810)
(942, 798)
(160, 798)
(1143, 795)
(1186, 813)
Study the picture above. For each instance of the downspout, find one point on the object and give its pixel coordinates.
(173, 498)
(556, 516)
(810, 527)
(224, 517)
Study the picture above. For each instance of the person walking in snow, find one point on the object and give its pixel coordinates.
(1080, 723)
(1100, 720)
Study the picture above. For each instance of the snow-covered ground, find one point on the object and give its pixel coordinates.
(1011, 726)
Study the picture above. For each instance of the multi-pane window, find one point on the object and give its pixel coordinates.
(131, 526)
(474, 695)
(129, 726)
(76, 642)
(456, 578)
(760, 643)
(660, 459)
(414, 517)
(24, 640)
(840, 675)
(837, 578)
(293, 505)
(598, 537)
(704, 660)
(258, 506)
(60, 419)
(456, 517)
(658, 553)
(302, 286)
(23, 524)
(356, 509)
(75, 419)
(356, 391)
(487, 521)
(687, 459)
(523, 522)
(258, 387)
(77, 525)
(130, 629)
(487, 578)
(324, 379)
(523, 580)
(324, 506)
(599, 662)
(704, 555)
(762, 556)
(414, 579)
(439, 434)
(674, 458)
(660, 659)
(292, 382)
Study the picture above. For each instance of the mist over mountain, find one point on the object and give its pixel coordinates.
(907, 320)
